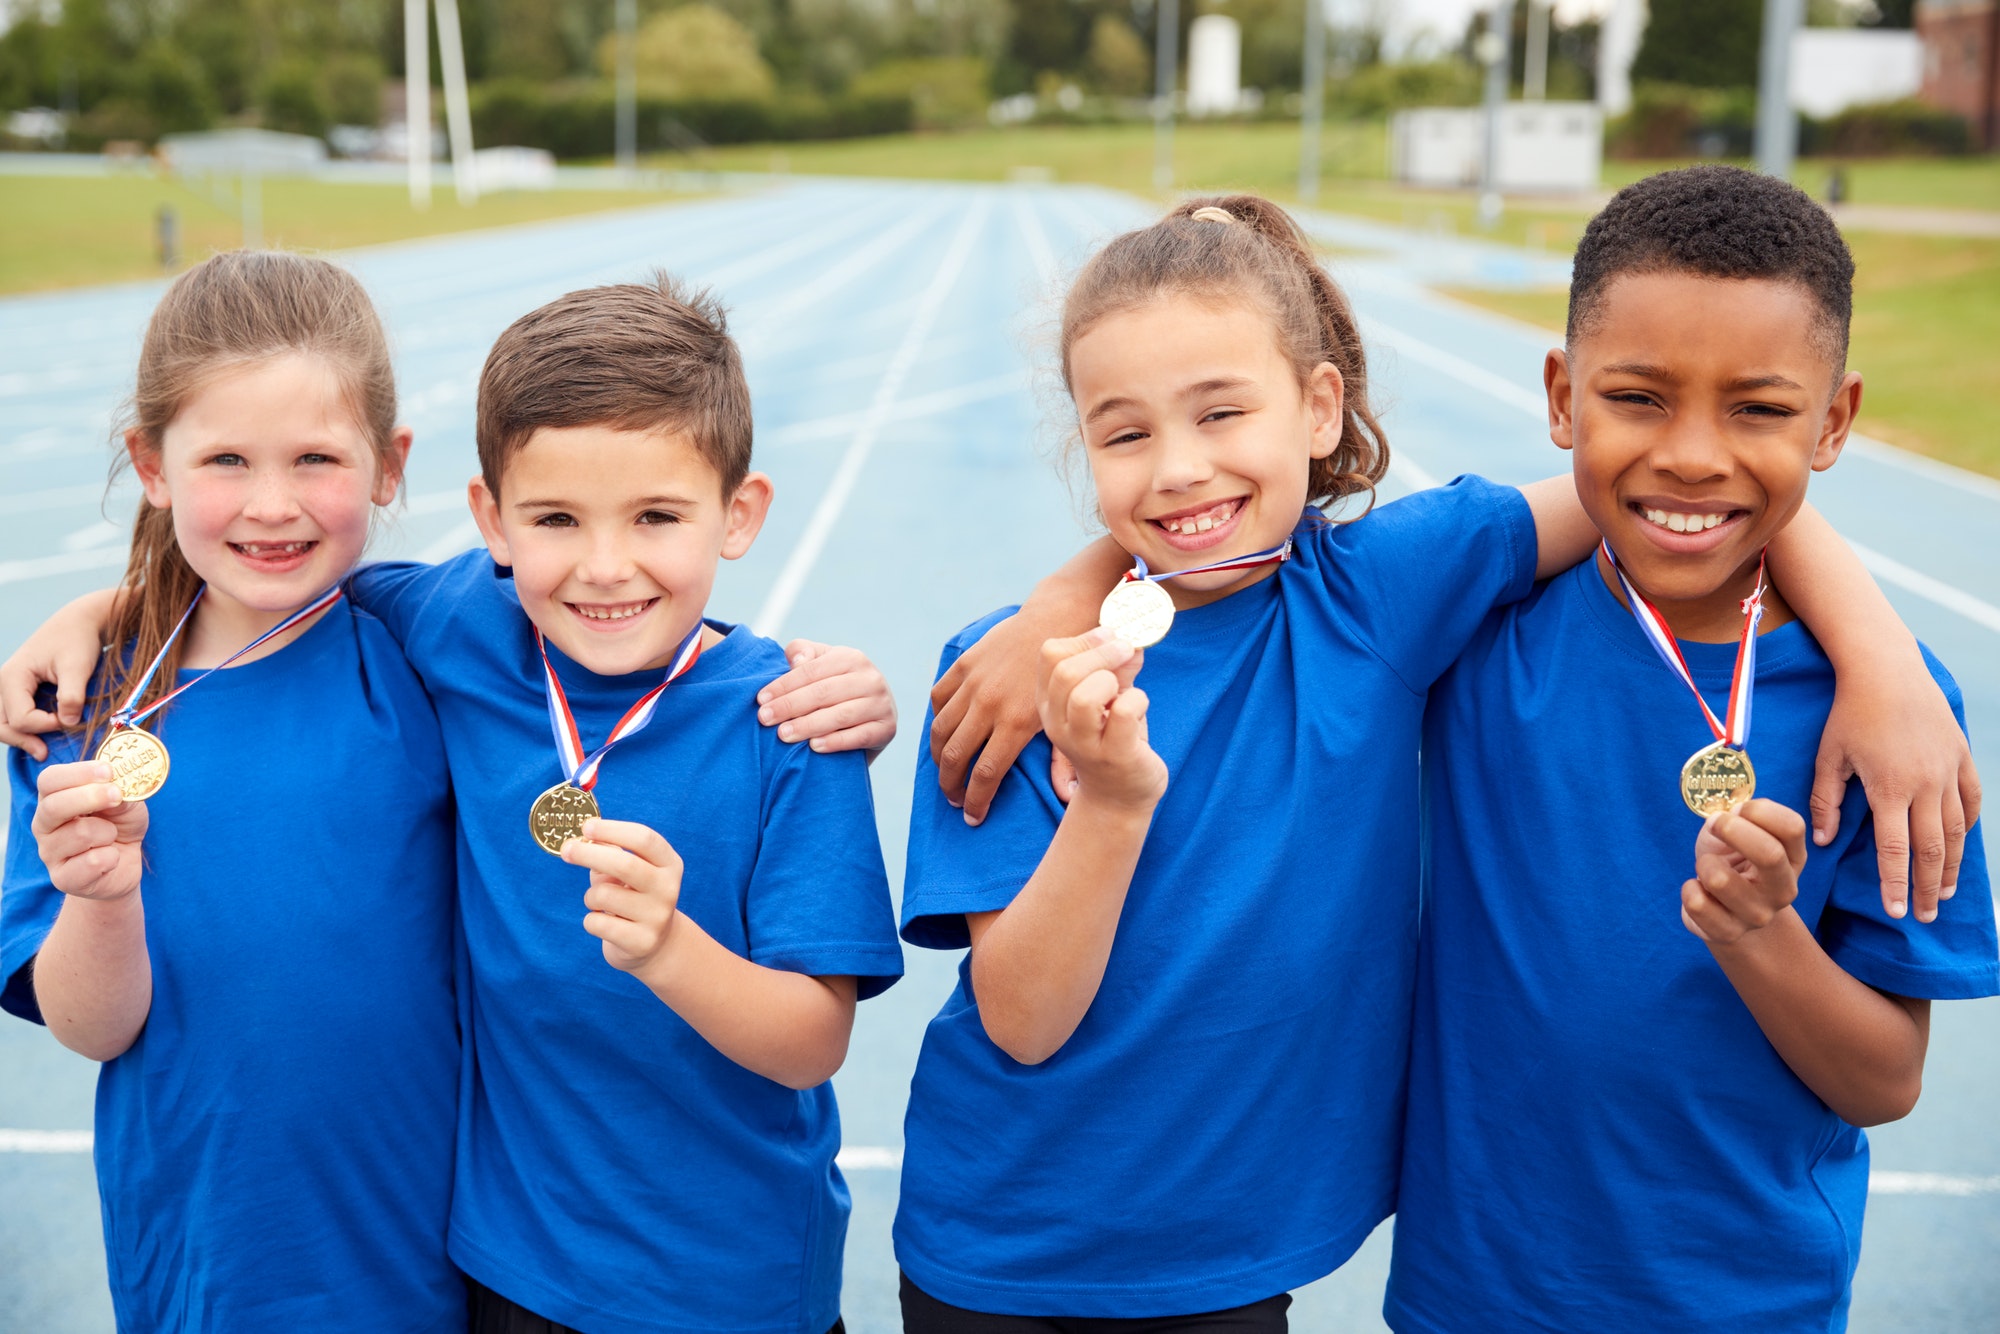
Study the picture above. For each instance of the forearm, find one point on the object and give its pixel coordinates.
(1861, 1051)
(1564, 534)
(1828, 588)
(93, 977)
(1069, 598)
(1037, 964)
(788, 1027)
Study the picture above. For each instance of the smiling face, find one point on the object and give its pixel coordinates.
(613, 536)
(1698, 408)
(271, 485)
(1199, 435)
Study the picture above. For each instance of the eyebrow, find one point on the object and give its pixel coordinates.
(1644, 371)
(1196, 390)
(643, 502)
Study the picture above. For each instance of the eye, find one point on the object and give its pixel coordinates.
(658, 517)
(227, 460)
(1636, 397)
(1220, 414)
(318, 458)
(1771, 410)
(555, 519)
(1125, 437)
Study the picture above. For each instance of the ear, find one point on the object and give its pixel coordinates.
(486, 513)
(745, 517)
(146, 464)
(389, 469)
(1840, 415)
(1326, 397)
(1556, 383)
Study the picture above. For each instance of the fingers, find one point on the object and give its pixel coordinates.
(1956, 828)
(73, 668)
(1010, 737)
(946, 704)
(868, 736)
(1062, 774)
(1782, 823)
(1892, 852)
(626, 851)
(1830, 774)
(70, 792)
(824, 719)
(24, 740)
(1927, 842)
(1969, 795)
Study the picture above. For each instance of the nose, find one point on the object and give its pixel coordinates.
(1181, 459)
(607, 562)
(272, 499)
(1692, 449)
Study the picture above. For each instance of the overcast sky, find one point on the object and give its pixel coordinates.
(1406, 19)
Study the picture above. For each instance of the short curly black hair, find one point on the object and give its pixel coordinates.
(1717, 222)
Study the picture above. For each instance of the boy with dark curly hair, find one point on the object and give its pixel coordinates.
(1634, 1093)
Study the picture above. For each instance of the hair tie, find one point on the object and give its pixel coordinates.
(1210, 213)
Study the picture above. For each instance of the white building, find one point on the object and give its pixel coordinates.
(1545, 147)
(1215, 66)
(1837, 68)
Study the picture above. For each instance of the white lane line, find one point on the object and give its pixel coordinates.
(1885, 568)
(912, 409)
(1881, 451)
(1929, 1183)
(1458, 368)
(1892, 571)
(69, 562)
(92, 536)
(45, 1141)
(764, 323)
(869, 1158)
(792, 577)
(1040, 253)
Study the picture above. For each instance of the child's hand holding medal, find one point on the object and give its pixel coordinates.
(89, 836)
(1095, 715)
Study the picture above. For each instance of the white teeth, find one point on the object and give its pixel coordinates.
(609, 614)
(1201, 523)
(1683, 523)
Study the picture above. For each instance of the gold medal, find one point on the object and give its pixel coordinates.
(558, 815)
(1138, 611)
(138, 761)
(1717, 778)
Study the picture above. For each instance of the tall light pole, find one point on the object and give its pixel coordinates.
(1535, 64)
(1166, 47)
(1777, 123)
(1313, 98)
(1492, 49)
(628, 86)
(417, 97)
(457, 107)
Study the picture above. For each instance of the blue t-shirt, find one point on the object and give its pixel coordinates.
(274, 1151)
(616, 1172)
(1600, 1136)
(1224, 1124)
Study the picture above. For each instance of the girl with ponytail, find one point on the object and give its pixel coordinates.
(255, 938)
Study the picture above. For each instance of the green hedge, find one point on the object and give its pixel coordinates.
(578, 121)
(1670, 120)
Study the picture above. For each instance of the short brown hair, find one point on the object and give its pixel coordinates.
(1258, 254)
(651, 356)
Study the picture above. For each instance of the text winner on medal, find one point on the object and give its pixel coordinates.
(1718, 777)
(558, 814)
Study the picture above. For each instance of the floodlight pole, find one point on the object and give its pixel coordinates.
(457, 107)
(1166, 47)
(1777, 123)
(1313, 98)
(417, 98)
(1493, 48)
(627, 130)
(1535, 65)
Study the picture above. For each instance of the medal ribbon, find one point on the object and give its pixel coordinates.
(581, 769)
(1273, 556)
(129, 716)
(1742, 681)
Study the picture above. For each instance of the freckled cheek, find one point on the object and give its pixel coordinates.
(203, 514)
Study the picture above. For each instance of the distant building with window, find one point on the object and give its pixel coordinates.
(1961, 40)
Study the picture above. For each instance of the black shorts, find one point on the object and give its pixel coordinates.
(494, 1314)
(925, 1314)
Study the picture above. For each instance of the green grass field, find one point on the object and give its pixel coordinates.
(63, 231)
(1926, 337)
(1960, 183)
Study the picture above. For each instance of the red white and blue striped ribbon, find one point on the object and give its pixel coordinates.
(1272, 556)
(1742, 682)
(581, 769)
(128, 716)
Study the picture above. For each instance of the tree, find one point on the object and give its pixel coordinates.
(1701, 43)
(694, 52)
(1119, 62)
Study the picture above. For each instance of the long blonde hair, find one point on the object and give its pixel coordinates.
(226, 314)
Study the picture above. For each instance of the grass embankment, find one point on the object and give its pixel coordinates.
(64, 231)
(1926, 337)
